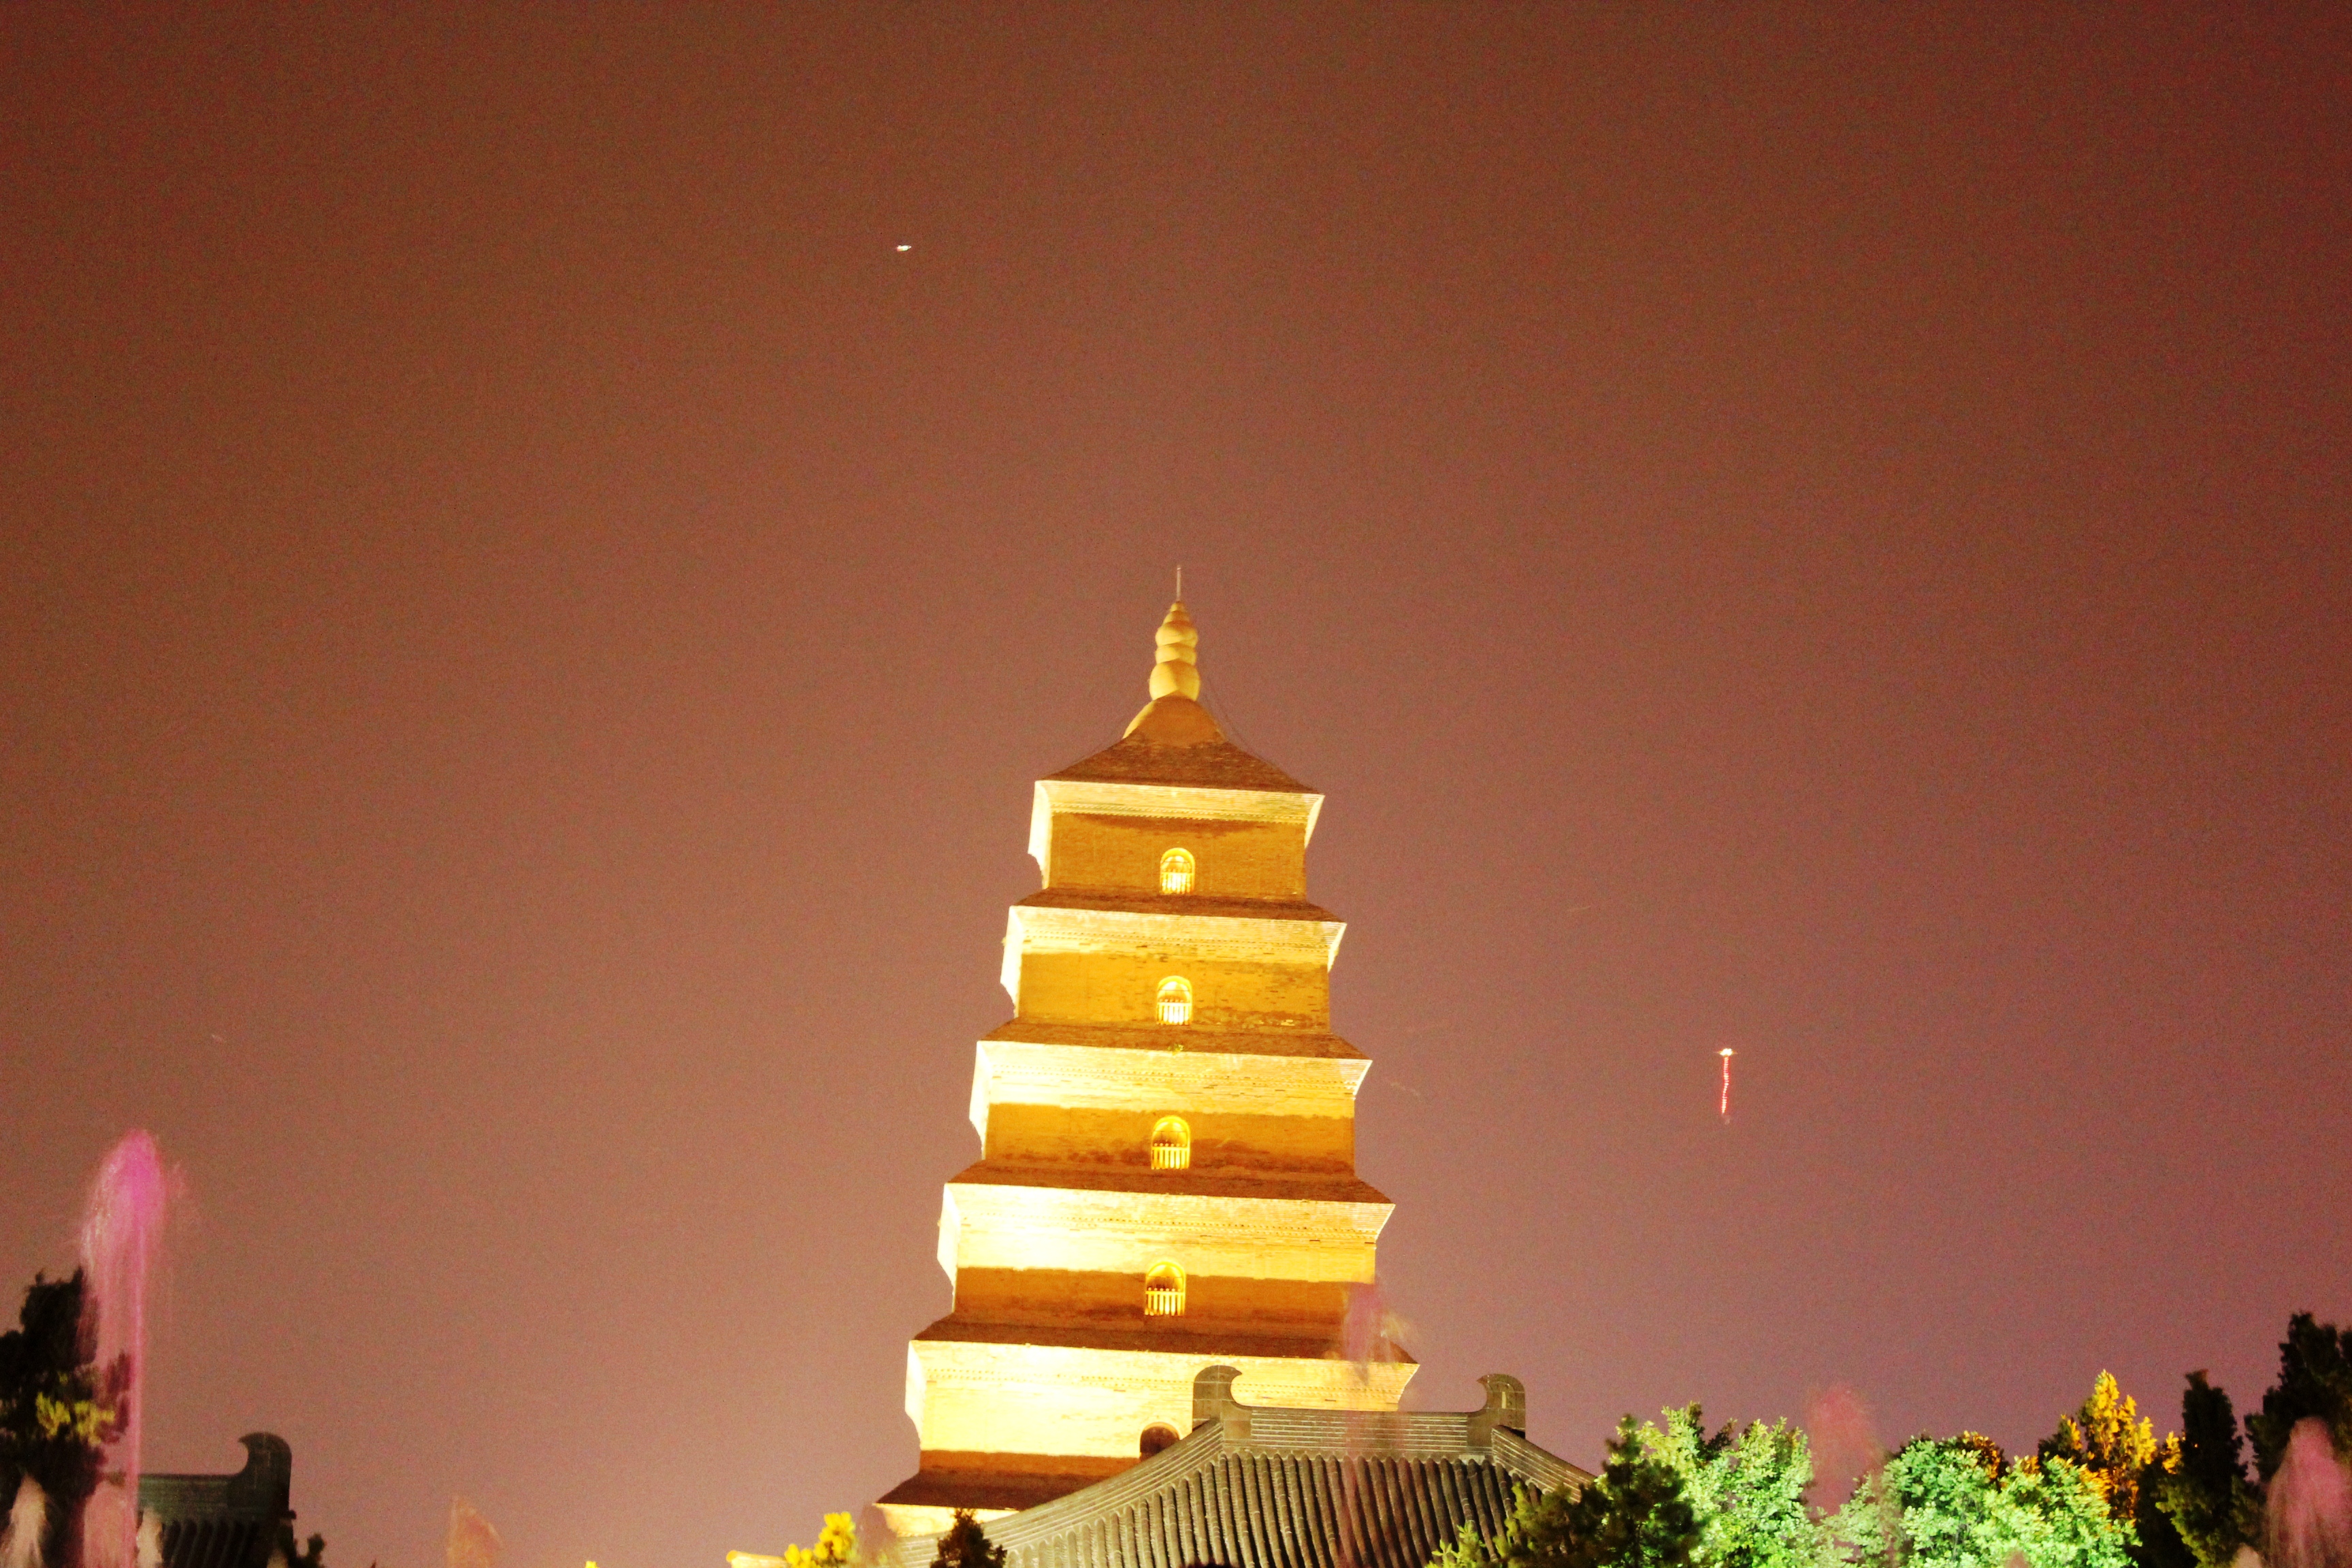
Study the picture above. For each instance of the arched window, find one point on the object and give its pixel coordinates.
(1172, 1144)
(1175, 1000)
(1163, 1291)
(1176, 871)
(1157, 1437)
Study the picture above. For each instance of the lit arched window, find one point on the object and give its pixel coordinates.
(1157, 1437)
(1172, 1144)
(1175, 1000)
(1176, 871)
(1163, 1291)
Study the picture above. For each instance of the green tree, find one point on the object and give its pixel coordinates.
(1987, 1453)
(2204, 1491)
(1635, 1514)
(2060, 1519)
(966, 1545)
(2110, 1442)
(1957, 1503)
(1747, 1486)
(2315, 1379)
(58, 1409)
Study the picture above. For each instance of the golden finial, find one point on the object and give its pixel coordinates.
(1178, 673)
(1174, 716)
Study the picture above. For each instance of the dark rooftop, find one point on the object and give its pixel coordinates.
(226, 1522)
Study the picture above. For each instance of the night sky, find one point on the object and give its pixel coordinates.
(529, 625)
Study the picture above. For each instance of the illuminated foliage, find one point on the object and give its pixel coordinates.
(1747, 1486)
(2110, 1441)
(2103, 1491)
(836, 1545)
(58, 1408)
(1950, 1503)
(1636, 1514)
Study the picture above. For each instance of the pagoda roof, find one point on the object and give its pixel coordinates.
(1263, 1487)
(1287, 1186)
(1177, 904)
(1163, 1336)
(1159, 1037)
(1174, 742)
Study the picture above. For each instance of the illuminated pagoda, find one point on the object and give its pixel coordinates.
(1167, 1198)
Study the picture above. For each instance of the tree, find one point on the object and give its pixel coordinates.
(1635, 1514)
(1987, 1453)
(58, 1409)
(966, 1545)
(1957, 1503)
(2110, 1441)
(2315, 1379)
(2204, 1492)
(2160, 1543)
(2061, 1519)
(1746, 1487)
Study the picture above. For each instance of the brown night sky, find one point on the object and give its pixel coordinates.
(528, 627)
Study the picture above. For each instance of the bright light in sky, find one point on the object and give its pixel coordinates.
(905, 248)
(1724, 1108)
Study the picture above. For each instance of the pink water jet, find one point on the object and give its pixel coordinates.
(1370, 1333)
(1364, 1339)
(2309, 1512)
(1844, 1443)
(120, 1233)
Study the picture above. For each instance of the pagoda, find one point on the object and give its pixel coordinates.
(1167, 1181)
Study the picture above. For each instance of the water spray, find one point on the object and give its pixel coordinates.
(119, 1236)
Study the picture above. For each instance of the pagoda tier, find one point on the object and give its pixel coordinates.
(1167, 1179)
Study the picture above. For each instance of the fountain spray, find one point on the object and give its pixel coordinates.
(120, 1235)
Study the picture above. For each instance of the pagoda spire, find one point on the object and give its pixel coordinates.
(1174, 716)
(1178, 671)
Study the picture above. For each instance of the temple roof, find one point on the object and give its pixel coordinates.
(1257, 1488)
(1156, 1336)
(1179, 904)
(1174, 741)
(1204, 764)
(1198, 1037)
(235, 1520)
(1285, 1186)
